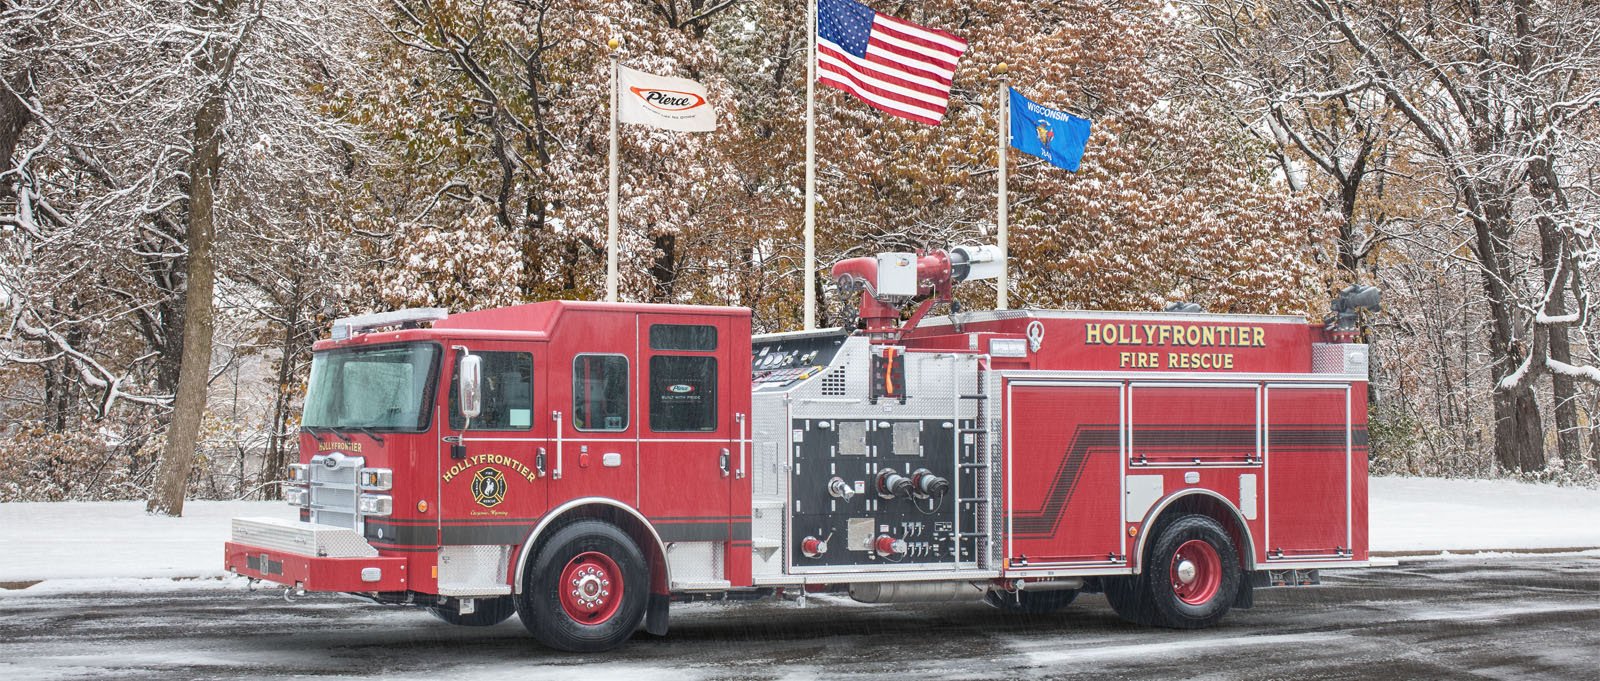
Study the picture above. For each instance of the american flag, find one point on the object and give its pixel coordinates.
(892, 64)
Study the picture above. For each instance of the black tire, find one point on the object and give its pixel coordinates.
(1203, 600)
(1128, 598)
(1031, 602)
(579, 546)
(489, 612)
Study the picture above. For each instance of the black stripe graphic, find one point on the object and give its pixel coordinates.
(1043, 521)
(1186, 438)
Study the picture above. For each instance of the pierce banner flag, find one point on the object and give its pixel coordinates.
(893, 65)
(1055, 136)
(664, 102)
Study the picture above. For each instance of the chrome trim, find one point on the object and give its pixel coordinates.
(1182, 377)
(742, 445)
(1155, 512)
(527, 546)
(1029, 313)
(556, 416)
(1314, 565)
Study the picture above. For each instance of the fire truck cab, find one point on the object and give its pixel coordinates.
(584, 465)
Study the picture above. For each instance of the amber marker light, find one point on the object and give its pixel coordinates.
(422, 506)
(1133, 531)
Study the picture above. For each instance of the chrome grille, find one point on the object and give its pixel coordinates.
(335, 489)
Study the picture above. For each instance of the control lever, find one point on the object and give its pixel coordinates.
(839, 488)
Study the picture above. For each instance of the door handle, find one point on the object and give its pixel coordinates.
(722, 461)
(538, 462)
(556, 416)
(742, 444)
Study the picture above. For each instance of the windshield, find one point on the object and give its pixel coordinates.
(382, 388)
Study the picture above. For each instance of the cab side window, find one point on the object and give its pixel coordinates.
(507, 393)
(600, 392)
(683, 393)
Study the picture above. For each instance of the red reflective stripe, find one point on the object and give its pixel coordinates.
(912, 69)
(899, 28)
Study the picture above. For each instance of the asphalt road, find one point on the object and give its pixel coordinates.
(1471, 618)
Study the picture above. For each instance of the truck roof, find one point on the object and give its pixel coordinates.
(531, 321)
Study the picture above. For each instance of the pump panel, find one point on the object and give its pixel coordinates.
(881, 492)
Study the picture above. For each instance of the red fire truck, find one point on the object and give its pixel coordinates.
(584, 465)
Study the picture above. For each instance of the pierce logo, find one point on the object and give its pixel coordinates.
(668, 100)
(681, 388)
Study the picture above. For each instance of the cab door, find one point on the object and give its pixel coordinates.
(491, 489)
(690, 451)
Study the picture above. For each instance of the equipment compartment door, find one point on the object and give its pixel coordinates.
(689, 460)
(1308, 472)
(1064, 472)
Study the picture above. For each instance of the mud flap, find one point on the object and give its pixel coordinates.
(656, 614)
(1246, 598)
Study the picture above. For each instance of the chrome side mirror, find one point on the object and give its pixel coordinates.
(469, 385)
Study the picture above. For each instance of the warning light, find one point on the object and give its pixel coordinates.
(422, 506)
(1133, 531)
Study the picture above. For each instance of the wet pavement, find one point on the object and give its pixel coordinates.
(1470, 618)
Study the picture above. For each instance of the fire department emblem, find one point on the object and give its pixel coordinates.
(489, 487)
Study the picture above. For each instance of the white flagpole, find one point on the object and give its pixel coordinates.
(611, 196)
(810, 271)
(1002, 285)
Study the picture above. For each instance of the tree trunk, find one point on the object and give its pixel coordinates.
(1553, 262)
(1518, 430)
(14, 117)
(177, 459)
(664, 269)
(280, 441)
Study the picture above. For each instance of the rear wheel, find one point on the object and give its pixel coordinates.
(1127, 596)
(1193, 575)
(1190, 579)
(1031, 602)
(585, 590)
(489, 612)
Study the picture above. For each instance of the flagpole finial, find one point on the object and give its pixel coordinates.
(1001, 68)
(613, 43)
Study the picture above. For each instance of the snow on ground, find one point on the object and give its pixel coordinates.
(1428, 515)
(117, 540)
(90, 539)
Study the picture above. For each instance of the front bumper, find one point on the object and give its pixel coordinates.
(311, 557)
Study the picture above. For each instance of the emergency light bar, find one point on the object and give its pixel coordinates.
(346, 327)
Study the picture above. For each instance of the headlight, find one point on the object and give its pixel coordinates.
(297, 474)
(377, 479)
(297, 496)
(376, 504)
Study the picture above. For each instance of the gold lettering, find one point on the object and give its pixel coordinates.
(1261, 337)
(1194, 335)
(1209, 335)
(1149, 332)
(1091, 334)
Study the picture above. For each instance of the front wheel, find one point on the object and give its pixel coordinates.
(585, 590)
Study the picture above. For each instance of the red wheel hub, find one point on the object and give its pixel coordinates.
(1196, 572)
(590, 588)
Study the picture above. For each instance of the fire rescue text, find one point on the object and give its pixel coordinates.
(1175, 334)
